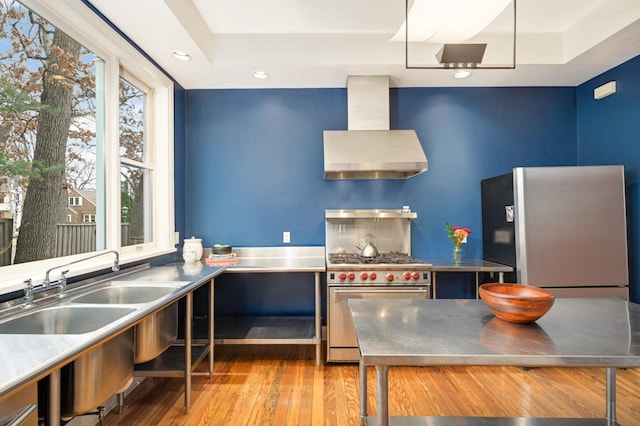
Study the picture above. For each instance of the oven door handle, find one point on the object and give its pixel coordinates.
(337, 292)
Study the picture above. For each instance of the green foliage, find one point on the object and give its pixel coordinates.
(34, 171)
(12, 100)
(451, 235)
(15, 101)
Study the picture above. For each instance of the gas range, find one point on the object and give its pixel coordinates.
(392, 274)
(384, 269)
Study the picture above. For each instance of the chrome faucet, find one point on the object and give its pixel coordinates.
(30, 290)
(116, 267)
(28, 293)
(63, 281)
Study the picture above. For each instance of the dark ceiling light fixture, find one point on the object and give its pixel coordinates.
(461, 55)
(452, 32)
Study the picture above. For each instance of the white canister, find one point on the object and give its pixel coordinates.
(193, 244)
(189, 256)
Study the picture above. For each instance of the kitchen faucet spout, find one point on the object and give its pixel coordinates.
(116, 265)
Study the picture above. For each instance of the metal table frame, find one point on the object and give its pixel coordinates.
(611, 345)
(466, 265)
(282, 330)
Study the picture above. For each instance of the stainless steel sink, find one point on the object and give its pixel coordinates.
(97, 375)
(156, 332)
(64, 320)
(125, 294)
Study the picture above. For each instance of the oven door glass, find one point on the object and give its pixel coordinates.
(342, 333)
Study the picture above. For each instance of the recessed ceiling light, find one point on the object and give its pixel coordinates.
(261, 75)
(462, 74)
(181, 56)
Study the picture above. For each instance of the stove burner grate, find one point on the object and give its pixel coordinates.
(383, 258)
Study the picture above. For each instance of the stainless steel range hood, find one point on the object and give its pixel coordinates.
(368, 149)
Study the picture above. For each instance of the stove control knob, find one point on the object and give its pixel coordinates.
(351, 276)
(415, 275)
(342, 276)
(373, 276)
(364, 276)
(389, 277)
(406, 275)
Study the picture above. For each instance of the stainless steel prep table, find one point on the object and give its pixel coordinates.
(27, 358)
(277, 330)
(466, 265)
(574, 333)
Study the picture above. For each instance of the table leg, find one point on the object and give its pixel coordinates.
(477, 285)
(611, 396)
(382, 394)
(433, 283)
(53, 414)
(363, 393)
(211, 329)
(187, 350)
(318, 324)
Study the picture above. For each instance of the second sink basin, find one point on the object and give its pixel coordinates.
(129, 294)
(64, 320)
(156, 332)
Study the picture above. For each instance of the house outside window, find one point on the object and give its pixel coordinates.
(89, 218)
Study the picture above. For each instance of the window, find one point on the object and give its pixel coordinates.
(67, 87)
(136, 172)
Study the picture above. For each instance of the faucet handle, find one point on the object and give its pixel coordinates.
(28, 293)
(63, 281)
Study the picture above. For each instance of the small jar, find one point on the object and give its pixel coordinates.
(193, 244)
(189, 256)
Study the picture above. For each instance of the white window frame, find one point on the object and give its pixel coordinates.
(91, 217)
(79, 22)
(75, 201)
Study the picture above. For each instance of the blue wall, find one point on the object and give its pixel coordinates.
(254, 161)
(609, 133)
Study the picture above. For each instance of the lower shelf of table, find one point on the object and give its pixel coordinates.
(171, 362)
(488, 421)
(260, 330)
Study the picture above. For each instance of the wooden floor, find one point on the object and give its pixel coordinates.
(280, 385)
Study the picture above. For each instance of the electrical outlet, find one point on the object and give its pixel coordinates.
(286, 237)
(176, 237)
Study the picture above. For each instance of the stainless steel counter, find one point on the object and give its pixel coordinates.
(466, 265)
(24, 358)
(277, 330)
(575, 332)
(278, 259)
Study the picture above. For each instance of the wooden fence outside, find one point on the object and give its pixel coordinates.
(71, 238)
(76, 238)
(6, 241)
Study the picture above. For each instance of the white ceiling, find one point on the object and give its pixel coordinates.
(317, 44)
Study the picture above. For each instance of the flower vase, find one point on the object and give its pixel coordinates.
(457, 254)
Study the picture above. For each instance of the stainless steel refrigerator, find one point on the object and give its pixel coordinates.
(561, 228)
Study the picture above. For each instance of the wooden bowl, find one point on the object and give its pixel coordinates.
(517, 303)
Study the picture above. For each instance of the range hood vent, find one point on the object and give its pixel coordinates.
(368, 149)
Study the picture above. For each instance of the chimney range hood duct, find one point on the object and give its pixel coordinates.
(368, 149)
